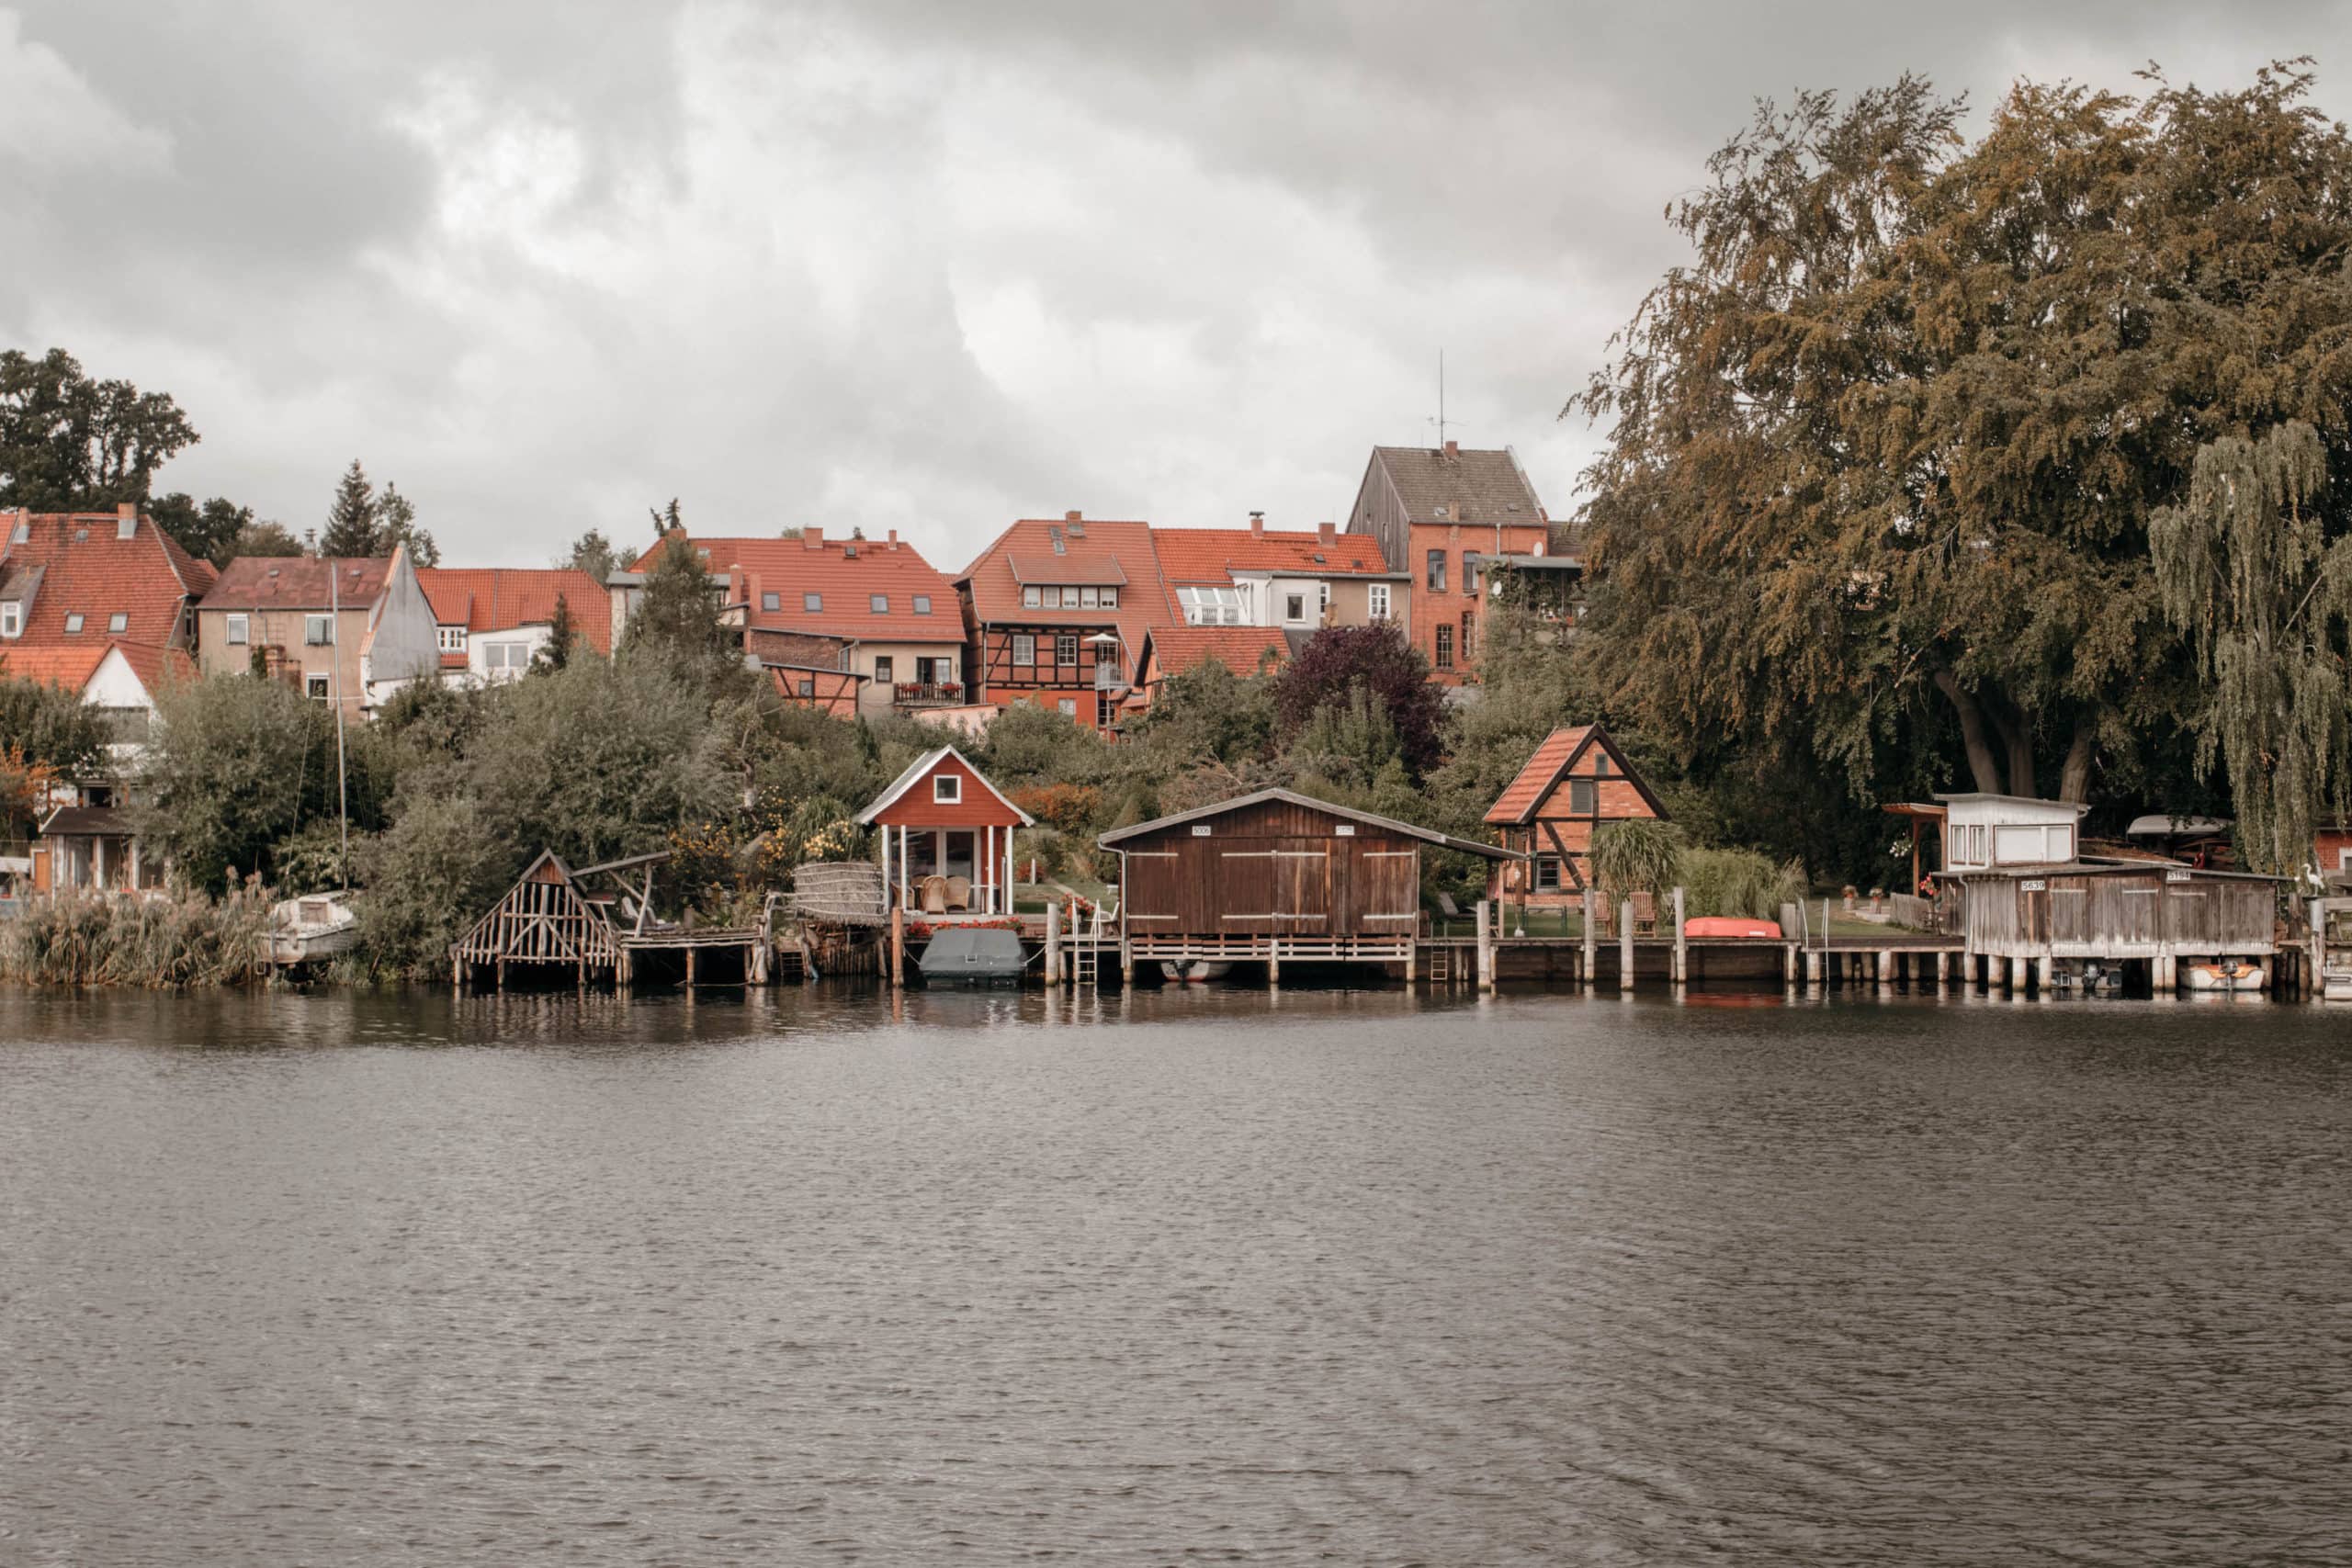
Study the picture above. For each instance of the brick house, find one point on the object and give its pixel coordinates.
(1444, 515)
(1055, 614)
(490, 622)
(343, 628)
(1577, 781)
(1299, 580)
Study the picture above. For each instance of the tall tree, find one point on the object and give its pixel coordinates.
(396, 525)
(667, 520)
(677, 620)
(208, 532)
(265, 538)
(351, 520)
(592, 553)
(563, 635)
(1885, 457)
(68, 442)
(1337, 659)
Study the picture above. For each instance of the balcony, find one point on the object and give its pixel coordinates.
(927, 694)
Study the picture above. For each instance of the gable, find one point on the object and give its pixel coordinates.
(910, 800)
(1542, 790)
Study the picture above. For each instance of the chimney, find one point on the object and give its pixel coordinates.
(1073, 516)
(894, 538)
(128, 512)
(1257, 525)
(1326, 534)
(812, 537)
(1453, 448)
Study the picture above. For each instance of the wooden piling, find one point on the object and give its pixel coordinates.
(897, 947)
(1681, 943)
(1625, 945)
(1053, 943)
(1485, 945)
(1591, 936)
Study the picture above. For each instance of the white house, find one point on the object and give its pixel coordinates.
(1986, 830)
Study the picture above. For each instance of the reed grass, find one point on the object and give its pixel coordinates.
(98, 939)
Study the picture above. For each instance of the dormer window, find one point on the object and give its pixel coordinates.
(771, 603)
(453, 638)
(11, 618)
(118, 623)
(923, 603)
(946, 789)
(73, 622)
(126, 528)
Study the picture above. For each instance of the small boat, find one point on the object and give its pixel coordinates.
(975, 956)
(2090, 976)
(315, 926)
(1198, 972)
(1731, 925)
(2222, 975)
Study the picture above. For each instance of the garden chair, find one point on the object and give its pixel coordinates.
(1644, 914)
(933, 891)
(1604, 916)
(959, 892)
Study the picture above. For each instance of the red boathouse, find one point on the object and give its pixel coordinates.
(946, 837)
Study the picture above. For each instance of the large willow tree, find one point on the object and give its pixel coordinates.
(1886, 456)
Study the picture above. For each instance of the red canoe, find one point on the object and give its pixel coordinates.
(1728, 925)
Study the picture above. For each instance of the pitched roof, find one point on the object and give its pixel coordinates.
(1552, 758)
(1089, 551)
(1427, 835)
(298, 582)
(500, 599)
(78, 564)
(845, 575)
(920, 767)
(1178, 649)
(1482, 488)
(1213, 555)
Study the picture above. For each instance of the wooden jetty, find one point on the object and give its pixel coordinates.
(597, 923)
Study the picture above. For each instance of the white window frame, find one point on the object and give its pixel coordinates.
(811, 603)
(238, 631)
(1323, 598)
(11, 618)
(318, 688)
(947, 789)
(1376, 600)
(1294, 607)
(318, 630)
(73, 622)
(1086, 598)
(1024, 650)
(880, 604)
(1069, 641)
(923, 603)
(118, 622)
(1111, 598)
(452, 638)
(1032, 598)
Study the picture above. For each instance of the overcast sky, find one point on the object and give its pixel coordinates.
(930, 264)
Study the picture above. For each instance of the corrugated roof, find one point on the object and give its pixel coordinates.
(1484, 488)
(1192, 556)
(845, 575)
(500, 599)
(298, 582)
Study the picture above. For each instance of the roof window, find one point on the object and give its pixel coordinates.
(771, 602)
(81, 536)
(73, 622)
(923, 603)
(879, 602)
(119, 622)
(812, 601)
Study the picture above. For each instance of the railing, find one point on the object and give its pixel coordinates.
(928, 694)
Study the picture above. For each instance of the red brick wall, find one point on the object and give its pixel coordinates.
(2331, 844)
(1429, 609)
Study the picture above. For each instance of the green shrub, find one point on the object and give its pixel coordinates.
(96, 938)
(1738, 882)
(1640, 855)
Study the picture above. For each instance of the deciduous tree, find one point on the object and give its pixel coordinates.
(1379, 659)
(68, 442)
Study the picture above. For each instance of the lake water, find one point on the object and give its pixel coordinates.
(1191, 1277)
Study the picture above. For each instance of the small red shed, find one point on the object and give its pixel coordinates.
(943, 818)
(1577, 780)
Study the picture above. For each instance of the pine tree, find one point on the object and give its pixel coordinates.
(667, 520)
(562, 633)
(351, 521)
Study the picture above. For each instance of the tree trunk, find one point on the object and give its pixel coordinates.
(1982, 761)
(2075, 778)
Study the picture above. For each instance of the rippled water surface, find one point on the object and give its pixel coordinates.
(1190, 1278)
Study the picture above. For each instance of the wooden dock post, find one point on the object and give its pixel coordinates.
(690, 968)
(1812, 968)
(898, 946)
(1681, 944)
(1485, 945)
(1591, 937)
(1053, 945)
(1275, 961)
(2163, 976)
(1886, 968)
(1625, 945)
(1943, 971)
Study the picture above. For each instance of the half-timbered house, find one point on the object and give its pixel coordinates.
(1055, 613)
(1577, 781)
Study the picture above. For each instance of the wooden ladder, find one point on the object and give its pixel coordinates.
(1441, 964)
(1085, 956)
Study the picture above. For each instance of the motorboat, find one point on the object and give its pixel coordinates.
(974, 956)
(1197, 972)
(312, 927)
(2222, 975)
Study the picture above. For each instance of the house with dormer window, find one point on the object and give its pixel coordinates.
(1055, 612)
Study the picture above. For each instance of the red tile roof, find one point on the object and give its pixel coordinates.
(1178, 649)
(1527, 791)
(499, 599)
(77, 563)
(298, 582)
(1213, 555)
(1118, 553)
(845, 574)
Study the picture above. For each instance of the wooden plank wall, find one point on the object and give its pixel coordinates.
(1273, 869)
(2119, 915)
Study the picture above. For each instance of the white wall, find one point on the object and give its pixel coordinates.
(403, 640)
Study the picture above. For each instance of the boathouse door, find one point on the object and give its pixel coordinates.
(1302, 886)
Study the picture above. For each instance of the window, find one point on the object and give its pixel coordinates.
(946, 789)
(1323, 598)
(812, 601)
(315, 687)
(1547, 873)
(1472, 568)
(73, 622)
(1110, 598)
(1032, 598)
(1469, 636)
(1601, 764)
(119, 622)
(1069, 707)
(506, 655)
(318, 631)
(1583, 798)
(882, 667)
(1024, 650)
(1106, 712)
(1206, 606)
(126, 527)
(1293, 607)
(1376, 600)
(1443, 655)
(771, 602)
(879, 602)
(1066, 649)
(1069, 599)
(923, 603)
(807, 686)
(237, 630)
(12, 619)
(1437, 571)
(453, 638)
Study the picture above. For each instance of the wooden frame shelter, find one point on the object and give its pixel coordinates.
(546, 919)
(1274, 874)
(940, 808)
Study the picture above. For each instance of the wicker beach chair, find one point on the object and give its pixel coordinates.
(959, 892)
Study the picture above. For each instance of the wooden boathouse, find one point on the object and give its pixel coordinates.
(1274, 875)
(2166, 914)
(946, 837)
(556, 923)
